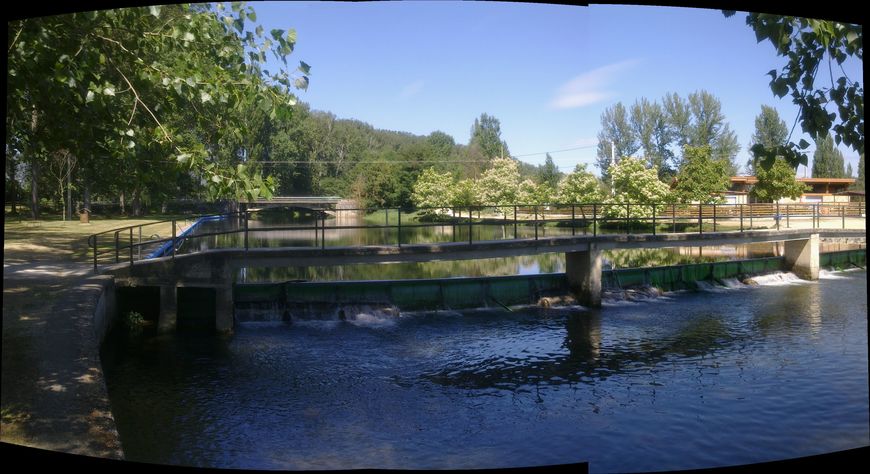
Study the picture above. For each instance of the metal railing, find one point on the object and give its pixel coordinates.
(131, 242)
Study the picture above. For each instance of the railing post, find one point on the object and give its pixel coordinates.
(674, 218)
(536, 222)
(139, 248)
(172, 249)
(594, 219)
(246, 231)
(741, 217)
(843, 215)
(714, 217)
(628, 217)
(131, 246)
(470, 232)
(654, 218)
(117, 258)
(400, 226)
(573, 226)
(700, 219)
(515, 222)
(323, 231)
(787, 220)
(776, 217)
(751, 212)
(95, 253)
(813, 207)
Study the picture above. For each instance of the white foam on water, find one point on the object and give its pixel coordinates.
(777, 279)
(373, 320)
(732, 283)
(709, 286)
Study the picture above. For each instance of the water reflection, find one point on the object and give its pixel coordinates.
(542, 263)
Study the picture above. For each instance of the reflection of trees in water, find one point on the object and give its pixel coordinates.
(637, 258)
(547, 263)
(587, 360)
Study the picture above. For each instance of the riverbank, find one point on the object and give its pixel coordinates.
(53, 391)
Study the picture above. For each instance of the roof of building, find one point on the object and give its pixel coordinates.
(753, 180)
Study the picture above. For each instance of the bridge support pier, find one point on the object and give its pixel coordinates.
(583, 270)
(223, 321)
(168, 309)
(802, 257)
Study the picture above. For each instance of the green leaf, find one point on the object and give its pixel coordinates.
(154, 10)
(183, 157)
(291, 36)
(131, 144)
(302, 83)
(304, 67)
(803, 144)
(204, 96)
(89, 97)
(109, 90)
(252, 15)
(259, 30)
(188, 36)
(129, 132)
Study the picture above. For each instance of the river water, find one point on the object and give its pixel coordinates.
(689, 380)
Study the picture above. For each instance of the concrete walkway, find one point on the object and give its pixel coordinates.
(53, 391)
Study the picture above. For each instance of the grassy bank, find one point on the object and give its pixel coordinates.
(51, 238)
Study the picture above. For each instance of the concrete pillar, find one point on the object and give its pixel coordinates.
(583, 270)
(168, 308)
(802, 257)
(223, 310)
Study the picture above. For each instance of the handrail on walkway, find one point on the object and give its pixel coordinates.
(610, 218)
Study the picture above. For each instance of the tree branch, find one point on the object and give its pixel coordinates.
(138, 99)
(16, 36)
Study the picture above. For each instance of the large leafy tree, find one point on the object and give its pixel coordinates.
(499, 184)
(814, 50)
(549, 173)
(486, 135)
(859, 182)
(616, 139)
(701, 178)
(432, 189)
(649, 122)
(634, 183)
(828, 161)
(580, 187)
(770, 132)
(173, 79)
(776, 182)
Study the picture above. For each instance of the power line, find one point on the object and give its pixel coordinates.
(557, 151)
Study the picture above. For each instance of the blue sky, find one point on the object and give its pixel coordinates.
(545, 71)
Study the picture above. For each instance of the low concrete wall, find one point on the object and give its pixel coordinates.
(105, 311)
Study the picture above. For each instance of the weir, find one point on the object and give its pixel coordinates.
(209, 273)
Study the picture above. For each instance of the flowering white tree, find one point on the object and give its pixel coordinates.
(580, 187)
(464, 193)
(432, 190)
(634, 183)
(499, 185)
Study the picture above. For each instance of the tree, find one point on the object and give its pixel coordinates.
(634, 183)
(486, 135)
(701, 178)
(464, 193)
(580, 187)
(859, 182)
(616, 136)
(810, 44)
(708, 127)
(827, 160)
(777, 182)
(499, 184)
(144, 78)
(650, 125)
(549, 173)
(431, 190)
(770, 132)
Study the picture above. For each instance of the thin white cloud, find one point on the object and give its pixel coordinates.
(590, 87)
(412, 89)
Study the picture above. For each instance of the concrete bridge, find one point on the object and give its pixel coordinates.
(317, 203)
(213, 270)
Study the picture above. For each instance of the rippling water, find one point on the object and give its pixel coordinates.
(690, 380)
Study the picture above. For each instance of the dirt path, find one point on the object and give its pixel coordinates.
(53, 392)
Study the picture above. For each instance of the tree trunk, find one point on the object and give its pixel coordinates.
(136, 202)
(34, 169)
(121, 201)
(86, 197)
(34, 187)
(69, 201)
